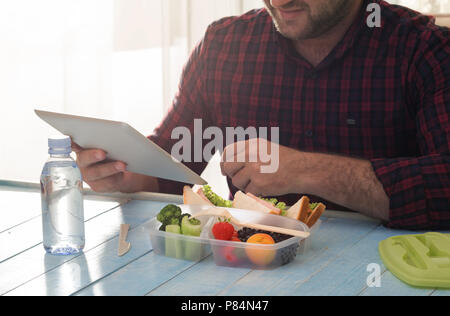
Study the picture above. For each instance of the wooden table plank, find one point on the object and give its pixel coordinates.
(441, 293)
(337, 264)
(21, 204)
(203, 278)
(199, 285)
(391, 286)
(29, 234)
(45, 272)
(18, 207)
(139, 277)
(333, 238)
(347, 275)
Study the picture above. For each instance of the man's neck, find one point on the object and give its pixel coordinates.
(317, 49)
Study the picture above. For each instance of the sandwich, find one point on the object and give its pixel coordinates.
(250, 202)
(204, 196)
(303, 210)
(315, 214)
(306, 212)
(194, 198)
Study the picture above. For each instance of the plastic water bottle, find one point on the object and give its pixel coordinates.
(62, 200)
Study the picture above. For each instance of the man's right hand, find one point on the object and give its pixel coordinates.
(110, 176)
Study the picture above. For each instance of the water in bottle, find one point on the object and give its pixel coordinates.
(62, 200)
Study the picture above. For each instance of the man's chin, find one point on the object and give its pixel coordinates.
(291, 32)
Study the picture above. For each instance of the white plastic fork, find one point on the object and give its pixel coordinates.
(225, 213)
(124, 246)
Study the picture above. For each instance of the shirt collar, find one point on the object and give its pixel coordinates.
(346, 43)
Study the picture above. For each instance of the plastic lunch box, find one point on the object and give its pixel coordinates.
(229, 253)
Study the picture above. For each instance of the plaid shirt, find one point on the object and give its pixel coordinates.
(383, 94)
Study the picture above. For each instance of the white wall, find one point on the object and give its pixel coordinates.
(115, 59)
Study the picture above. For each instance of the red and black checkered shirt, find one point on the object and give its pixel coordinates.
(382, 94)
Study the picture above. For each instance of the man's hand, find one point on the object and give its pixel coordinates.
(246, 171)
(110, 176)
(346, 181)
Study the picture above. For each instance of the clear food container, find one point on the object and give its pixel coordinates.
(230, 253)
(176, 245)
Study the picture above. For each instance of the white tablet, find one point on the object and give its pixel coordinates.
(122, 142)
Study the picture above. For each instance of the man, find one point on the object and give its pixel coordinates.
(363, 112)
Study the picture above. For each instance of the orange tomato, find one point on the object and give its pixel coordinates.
(260, 256)
(261, 239)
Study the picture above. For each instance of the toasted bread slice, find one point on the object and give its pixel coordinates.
(202, 195)
(245, 202)
(304, 209)
(192, 198)
(273, 208)
(295, 210)
(315, 215)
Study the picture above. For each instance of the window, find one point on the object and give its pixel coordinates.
(426, 6)
(114, 59)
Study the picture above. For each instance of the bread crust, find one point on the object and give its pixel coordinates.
(315, 215)
(193, 198)
(304, 209)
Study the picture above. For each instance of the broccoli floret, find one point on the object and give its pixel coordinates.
(183, 215)
(214, 198)
(173, 221)
(169, 215)
(193, 221)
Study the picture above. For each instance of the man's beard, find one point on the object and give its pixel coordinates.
(329, 15)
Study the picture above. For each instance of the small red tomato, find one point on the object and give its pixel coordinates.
(229, 255)
(223, 231)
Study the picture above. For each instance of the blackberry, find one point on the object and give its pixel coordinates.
(285, 255)
(288, 254)
(245, 233)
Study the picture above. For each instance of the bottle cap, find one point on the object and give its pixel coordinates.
(59, 145)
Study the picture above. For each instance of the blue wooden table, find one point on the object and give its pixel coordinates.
(337, 264)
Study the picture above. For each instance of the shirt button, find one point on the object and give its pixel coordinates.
(351, 121)
(312, 75)
(309, 133)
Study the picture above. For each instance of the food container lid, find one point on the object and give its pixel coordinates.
(419, 260)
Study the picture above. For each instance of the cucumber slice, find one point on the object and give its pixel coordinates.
(192, 249)
(191, 227)
(174, 247)
(174, 229)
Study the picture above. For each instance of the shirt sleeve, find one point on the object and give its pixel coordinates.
(419, 187)
(189, 104)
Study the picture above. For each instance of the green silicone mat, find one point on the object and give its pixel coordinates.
(419, 260)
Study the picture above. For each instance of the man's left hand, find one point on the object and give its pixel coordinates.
(262, 167)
